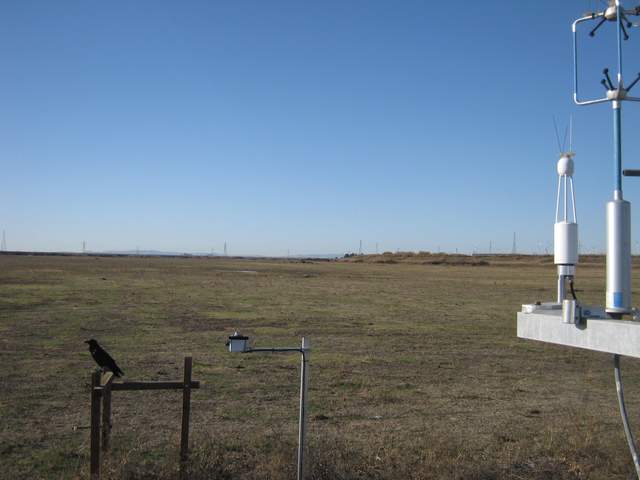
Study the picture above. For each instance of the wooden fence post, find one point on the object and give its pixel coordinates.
(186, 408)
(95, 425)
(106, 413)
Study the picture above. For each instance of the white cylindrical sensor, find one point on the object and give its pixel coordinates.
(618, 256)
(565, 243)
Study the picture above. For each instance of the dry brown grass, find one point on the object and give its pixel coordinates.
(416, 371)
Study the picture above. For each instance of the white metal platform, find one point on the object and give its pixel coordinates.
(621, 337)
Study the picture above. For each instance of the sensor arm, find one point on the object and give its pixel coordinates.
(632, 84)
(592, 33)
(574, 29)
(608, 79)
(624, 30)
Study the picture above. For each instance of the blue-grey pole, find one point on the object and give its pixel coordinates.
(617, 106)
(617, 145)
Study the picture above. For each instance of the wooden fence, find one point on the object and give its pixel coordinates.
(102, 385)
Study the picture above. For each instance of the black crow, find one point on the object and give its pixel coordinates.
(102, 358)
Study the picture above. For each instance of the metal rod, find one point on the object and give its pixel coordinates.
(623, 413)
(565, 197)
(304, 384)
(571, 133)
(561, 289)
(618, 16)
(575, 61)
(617, 145)
(284, 349)
(633, 84)
(558, 199)
(592, 33)
(573, 200)
(624, 30)
(574, 29)
(608, 79)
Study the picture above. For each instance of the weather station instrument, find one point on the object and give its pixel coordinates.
(613, 328)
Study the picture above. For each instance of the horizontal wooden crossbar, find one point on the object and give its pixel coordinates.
(153, 385)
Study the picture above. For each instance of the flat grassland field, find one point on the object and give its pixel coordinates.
(416, 371)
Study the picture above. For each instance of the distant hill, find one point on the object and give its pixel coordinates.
(429, 258)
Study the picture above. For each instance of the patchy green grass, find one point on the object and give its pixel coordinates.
(416, 371)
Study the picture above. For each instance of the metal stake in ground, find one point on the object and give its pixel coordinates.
(304, 387)
(239, 343)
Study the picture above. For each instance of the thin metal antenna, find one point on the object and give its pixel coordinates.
(571, 133)
(564, 140)
(555, 126)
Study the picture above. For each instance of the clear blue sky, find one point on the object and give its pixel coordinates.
(301, 126)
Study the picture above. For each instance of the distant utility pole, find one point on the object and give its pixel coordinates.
(3, 247)
(376, 248)
(84, 246)
(225, 248)
(490, 247)
(513, 247)
(288, 253)
(360, 248)
(138, 251)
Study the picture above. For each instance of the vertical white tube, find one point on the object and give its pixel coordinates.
(565, 198)
(558, 199)
(573, 200)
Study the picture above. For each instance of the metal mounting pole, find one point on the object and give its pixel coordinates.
(631, 441)
(617, 147)
(238, 343)
(304, 385)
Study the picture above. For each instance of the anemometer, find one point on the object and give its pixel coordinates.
(566, 321)
(618, 297)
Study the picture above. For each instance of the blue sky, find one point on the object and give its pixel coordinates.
(300, 126)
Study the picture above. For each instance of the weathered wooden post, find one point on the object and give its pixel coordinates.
(106, 380)
(95, 425)
(186, 410)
